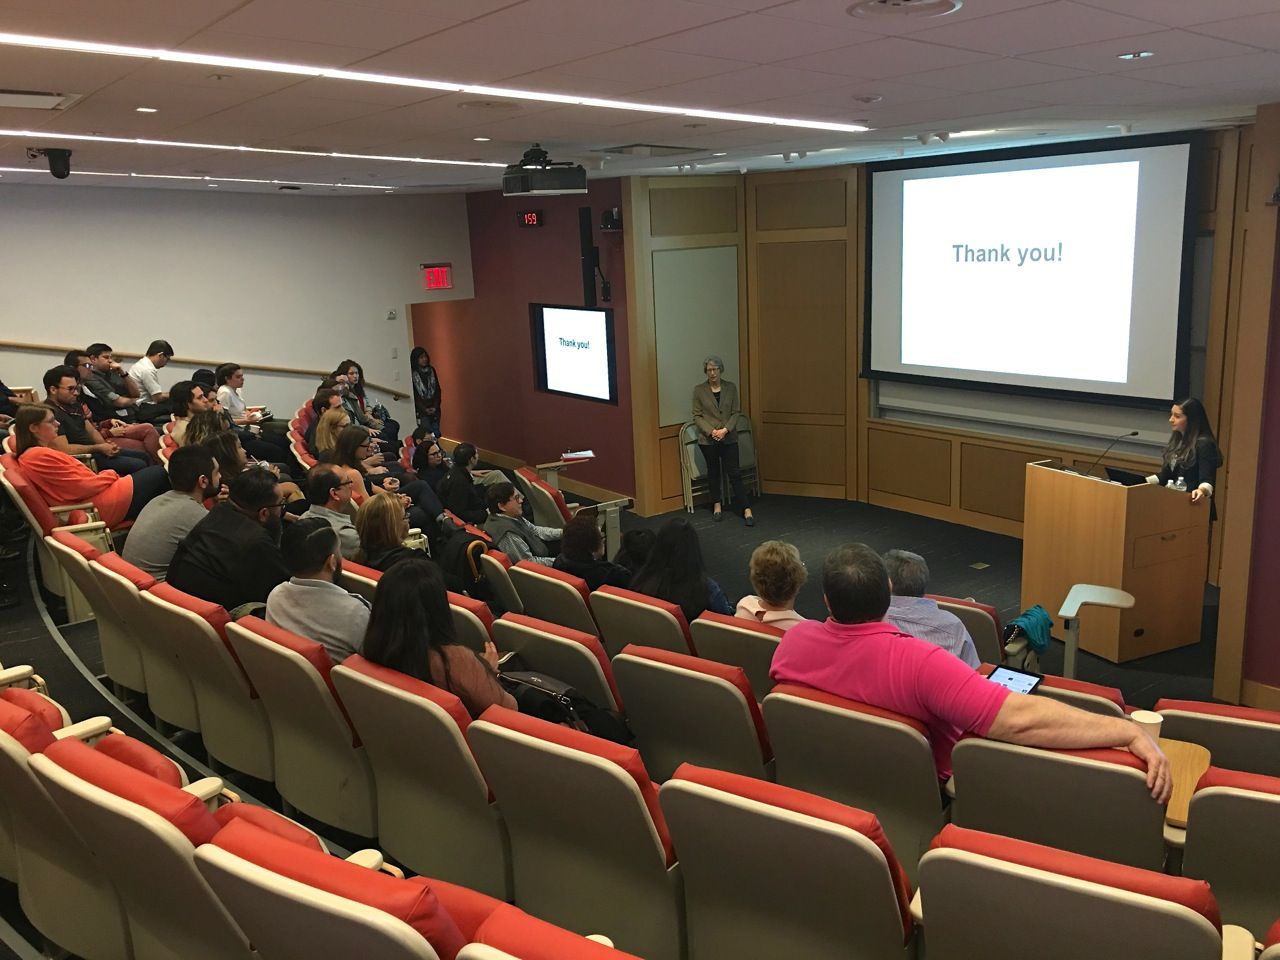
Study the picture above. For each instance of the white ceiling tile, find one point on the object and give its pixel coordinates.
(561, 81)
(891, 92)
(657, 65)
(24, 68)
(616, 22)
(742, 86)
(328, 21)
(1107, 89)
(1058, 24)
(228, 43)
(888, 57)
(135, 22)
(832, 13)
(1183, 13)
(1259, 31)
(458, 10)
(245, 84)
(760, 38)
(1256, 69)
(1169, 47)
(746, 5)
(994, 75)
(951, 113)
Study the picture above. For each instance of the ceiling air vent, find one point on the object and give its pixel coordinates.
(648, 150)
(37, 99)
(903, 8)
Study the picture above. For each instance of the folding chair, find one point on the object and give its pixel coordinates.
(693, 466)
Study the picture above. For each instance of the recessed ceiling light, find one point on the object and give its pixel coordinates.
(1136, 55)
(211, 184)
(145, 109)
(506, 93)
(869, 97)
(903, 8)
(480, 139)
(719, 154)
(974, 133)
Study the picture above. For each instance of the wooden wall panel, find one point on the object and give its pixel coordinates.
(991, 480)
(669, 466)
(802, 452)
(908, 465)
(796, 205)
(800, 315)
(693, 211)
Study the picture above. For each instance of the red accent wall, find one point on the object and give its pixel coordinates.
(483, 350)
(1262, 623)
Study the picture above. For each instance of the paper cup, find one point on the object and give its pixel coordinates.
(1149, 721)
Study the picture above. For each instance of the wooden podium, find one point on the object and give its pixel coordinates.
(1147, 540)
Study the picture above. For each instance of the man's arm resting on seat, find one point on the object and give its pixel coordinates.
(1040, 722)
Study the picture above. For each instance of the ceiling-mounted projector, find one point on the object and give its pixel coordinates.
(536, 175)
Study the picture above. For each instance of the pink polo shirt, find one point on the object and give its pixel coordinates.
(876, 664)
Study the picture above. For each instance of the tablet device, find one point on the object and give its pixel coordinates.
(1125, 477)
(1019, 681)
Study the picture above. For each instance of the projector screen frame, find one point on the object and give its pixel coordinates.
(540, 356)
(1196, 142)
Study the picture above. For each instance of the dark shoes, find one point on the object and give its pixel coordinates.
(717, 516)
(749, 521)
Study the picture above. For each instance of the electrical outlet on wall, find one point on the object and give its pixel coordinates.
(395, 353)
(393, 315)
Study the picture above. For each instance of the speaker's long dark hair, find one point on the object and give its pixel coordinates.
(674, 570)
(1181, 448)
(410, 618)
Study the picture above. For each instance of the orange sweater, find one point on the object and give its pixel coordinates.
(60, 478)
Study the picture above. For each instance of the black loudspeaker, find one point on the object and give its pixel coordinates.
(590, 257)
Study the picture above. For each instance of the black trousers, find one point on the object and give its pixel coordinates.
(724, 456)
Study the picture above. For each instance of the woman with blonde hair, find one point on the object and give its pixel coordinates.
(383, 523)
(330, 424)
(777, 574)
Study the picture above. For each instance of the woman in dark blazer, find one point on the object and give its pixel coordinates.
(715, 411)
(1191, 454)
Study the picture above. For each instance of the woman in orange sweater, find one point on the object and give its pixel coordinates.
(60, 478)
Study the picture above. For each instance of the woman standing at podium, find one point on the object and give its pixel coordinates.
(1191, 454)
(715, 412)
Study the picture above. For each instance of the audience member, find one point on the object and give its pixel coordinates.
(582, 554)
(326, 398)
(127, 436)
(383, 525)
(225, 445)
(107, 381)
(165, 521)
(429, 461)
(460, 489)
(856, 655)
(232, 556)
(329, 424)
(229, 378)
(777, 574)
(353, 454)
(329, 494)
(634, 552)
(144, 372)
(426, 390)
(186, 398)
(78, 434)
(512, 533)
(914, 613)
(311, 603)
(674, 572)
(388, 429)
(411, 630)
(62, 479)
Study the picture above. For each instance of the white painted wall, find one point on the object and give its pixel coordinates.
(294, 281)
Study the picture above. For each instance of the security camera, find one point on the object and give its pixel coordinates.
(59, 160)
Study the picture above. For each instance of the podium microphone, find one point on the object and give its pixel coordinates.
(1131, 433)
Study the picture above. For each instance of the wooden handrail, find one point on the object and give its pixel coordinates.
(54, 348)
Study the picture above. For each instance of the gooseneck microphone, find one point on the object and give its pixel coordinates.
(1131, 433)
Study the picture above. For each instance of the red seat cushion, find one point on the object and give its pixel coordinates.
(711, 668)
(1192, 894)
(35, 704)
(360, 570)
(31, 498)
(501, 557)
(553, 574)
(418, 688)
(1273, 935)
(1227, 710)
(411, 901)
(1239, 780)
(477, 532)
(592, 643)
(665, 605)
(478, 608)
(78, 544)
(831, 700)
(556, 496)
(31, 732)
(121, 567)
(740, 623)
(810, 805)
(141, 757)
(513, 931)
(269, 821)
(628, 758)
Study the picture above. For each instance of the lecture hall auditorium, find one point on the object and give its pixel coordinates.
(781, 185)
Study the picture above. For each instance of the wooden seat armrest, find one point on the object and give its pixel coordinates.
(86, 730)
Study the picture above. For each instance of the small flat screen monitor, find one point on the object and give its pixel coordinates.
(573, 351)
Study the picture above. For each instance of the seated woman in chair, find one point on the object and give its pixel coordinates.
(582, 554)
(777, 574)
(674, 572)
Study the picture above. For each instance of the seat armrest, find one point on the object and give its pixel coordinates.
(600, 938)
(917, 910)
(369, 858)
(13, 675)
(85, 730)
(1175, 837)
(950, 787)
(207, 789)
(1237, 943)
(69, 507)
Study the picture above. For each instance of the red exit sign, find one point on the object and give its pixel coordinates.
(437, 276)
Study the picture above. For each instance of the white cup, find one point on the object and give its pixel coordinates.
(1149, 721)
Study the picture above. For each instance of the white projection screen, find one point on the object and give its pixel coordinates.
(1064, 273)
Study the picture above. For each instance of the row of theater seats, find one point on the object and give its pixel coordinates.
(117, 856)
(451, 802)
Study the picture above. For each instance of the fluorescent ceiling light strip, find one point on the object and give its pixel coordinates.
(386, 188)
(149, 142)
(296, 69)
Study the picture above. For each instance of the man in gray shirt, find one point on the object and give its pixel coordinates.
(165, 521)
(330, 498)
(915, 614)
(310, 603)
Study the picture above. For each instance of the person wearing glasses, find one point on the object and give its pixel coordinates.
(329, 493)
(351, 455)
(232, 557)
(512, 533)
(126, 436)
(429, 460)
(715, 413)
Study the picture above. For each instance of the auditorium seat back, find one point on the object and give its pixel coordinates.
(472, 621)
(570, 655)
(495, 566)
(359, 579)
(1238, 738)
(551, 594)
(548, 503)
(739, 642)
(627, 617)
(982, 623)
(139, 654)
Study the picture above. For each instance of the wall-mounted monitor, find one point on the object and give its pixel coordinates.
(573, 351)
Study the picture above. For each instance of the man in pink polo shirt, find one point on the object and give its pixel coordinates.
(856, 655)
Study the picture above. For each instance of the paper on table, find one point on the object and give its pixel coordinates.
(578, 455)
